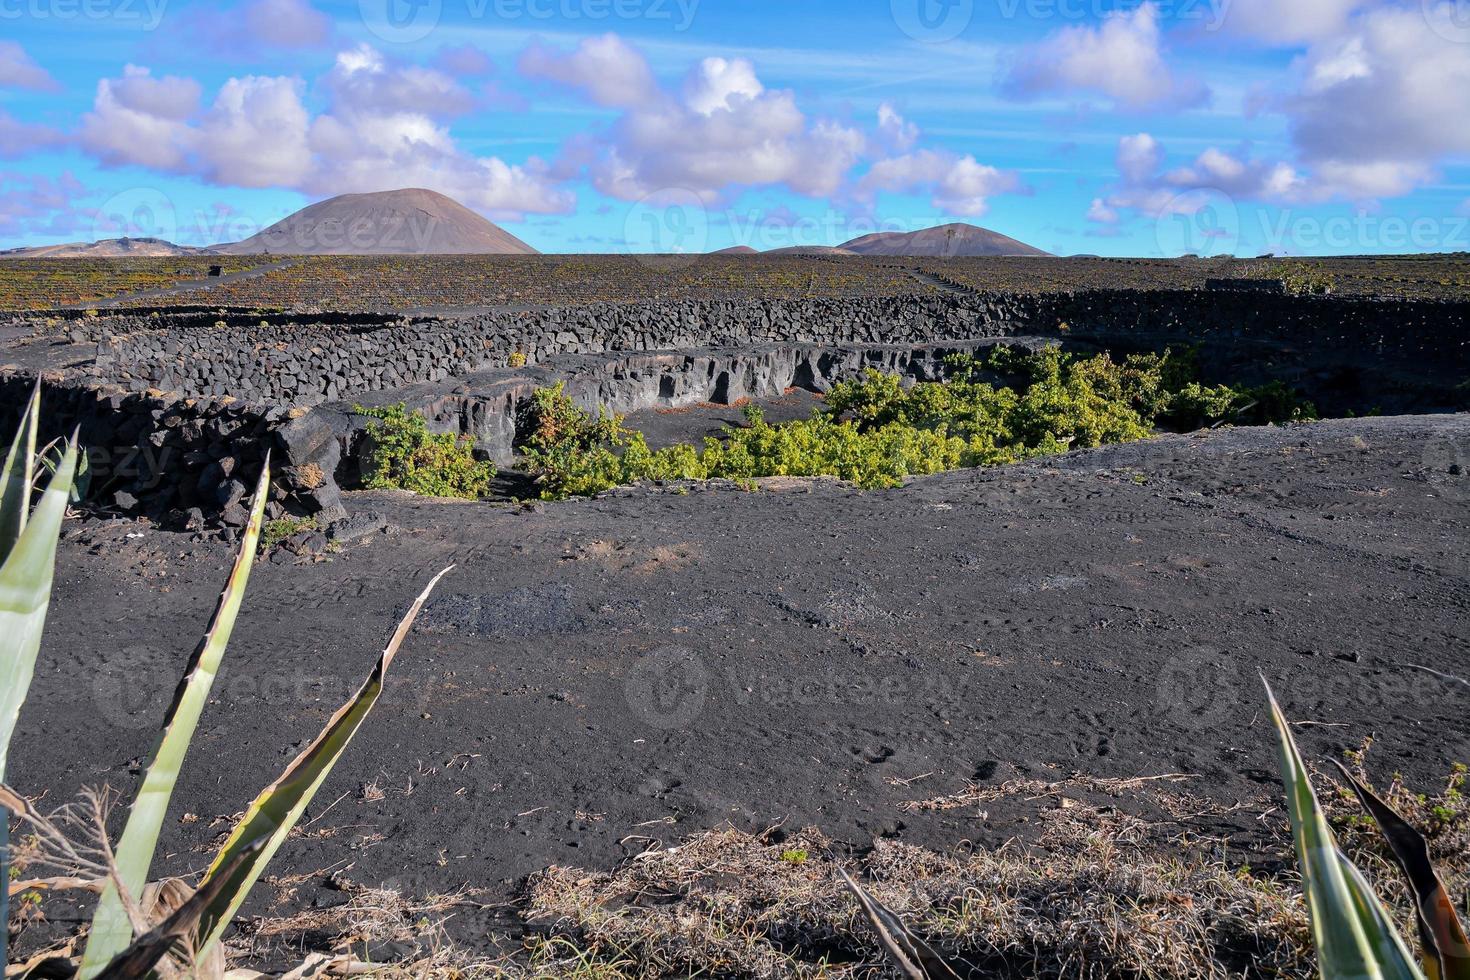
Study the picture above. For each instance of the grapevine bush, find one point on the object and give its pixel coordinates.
(875, 432)
(402, 454)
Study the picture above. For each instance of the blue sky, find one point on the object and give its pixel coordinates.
(1080, 126)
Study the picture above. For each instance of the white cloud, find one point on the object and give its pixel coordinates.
(957, 185)
(255, 134)
(1288, 22)
(1382, 105)
(1240, 178)
(379, 132)
(17, 70)
(38, 205)
(364, 82)
(605, 67)
(716, 84)
(463, 60)
(720, 131)
(285, 23)
(1139, 157)
(1145, 187)
(1121, 59)
(142, 120)
(18, 139)
(1102, 213)
(896, 132)
(257, 27)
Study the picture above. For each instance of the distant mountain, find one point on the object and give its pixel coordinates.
(411, 221)
(108, 248)
(811, 250)
(736, 250)
(945, 241)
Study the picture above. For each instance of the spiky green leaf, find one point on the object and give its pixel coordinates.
(1446, 948)
(138, 959)
(276, 810)
(25, 594)
(1355, 936)
(18, 476)
(111, 932)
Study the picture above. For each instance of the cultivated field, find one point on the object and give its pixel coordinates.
(960, 577)
(416, 283)
(48, 284)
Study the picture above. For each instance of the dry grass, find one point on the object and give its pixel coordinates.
(1102, 890)
(1443, 817)
(730, 903)
(1096, 895)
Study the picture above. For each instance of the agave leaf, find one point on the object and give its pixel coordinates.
(276, 810)
(138, 959)
(25, 593)
(1354, 935)
(914, 957)
(111, 932)
(1446, 948)
(28, 553)
(18, 476)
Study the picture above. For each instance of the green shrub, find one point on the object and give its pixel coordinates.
(821, 446)
(280, 529)
(402, 454)
(875, 432)
(574, 453)
(1303, 279)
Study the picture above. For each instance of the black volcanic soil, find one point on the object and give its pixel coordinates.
(694, 423)
(598, 675)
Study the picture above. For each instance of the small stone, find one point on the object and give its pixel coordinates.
(235, 514)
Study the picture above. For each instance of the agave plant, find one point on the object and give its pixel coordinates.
(112, 944)
(28, 553)
(122, 944)
(1354, 934)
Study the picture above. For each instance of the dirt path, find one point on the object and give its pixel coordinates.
(929, 279)
(195, 285)
(600, 676)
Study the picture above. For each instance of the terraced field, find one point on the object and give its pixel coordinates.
(404, 283)
(449, 282)
(1410, 276)
(49, 284)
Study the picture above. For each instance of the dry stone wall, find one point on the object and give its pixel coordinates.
(189, 462)
(311, 363)
(192, 401)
